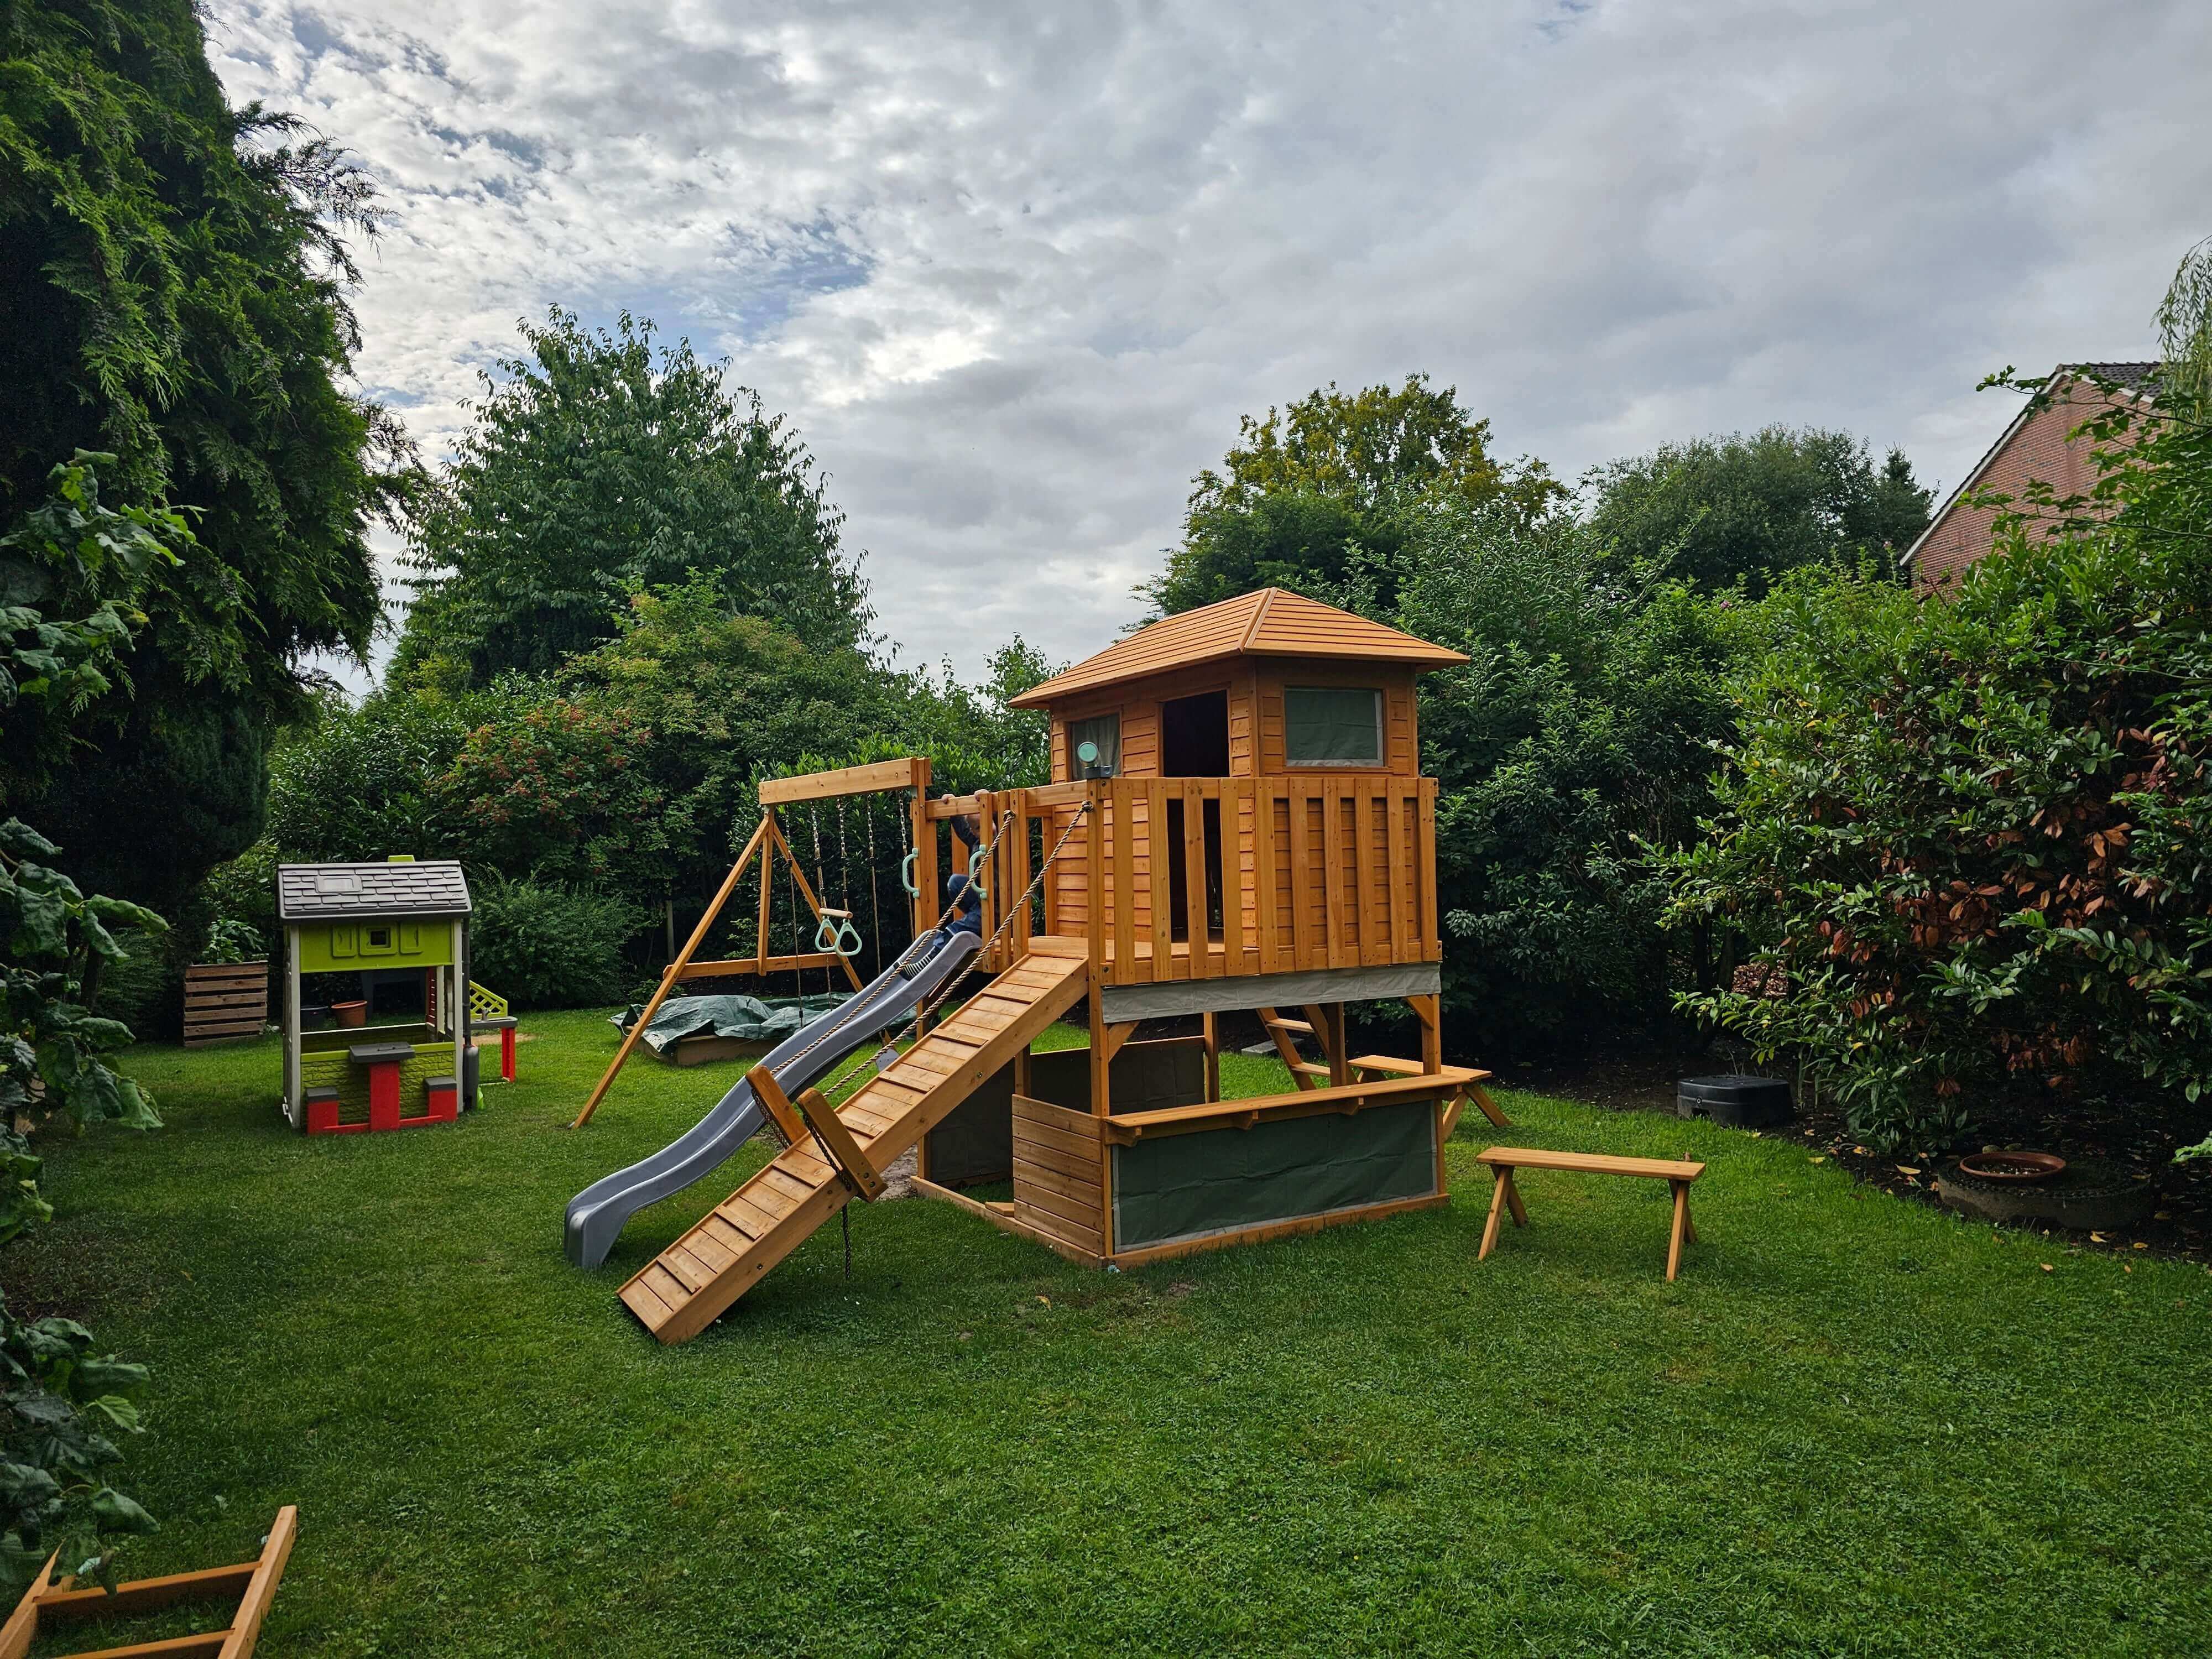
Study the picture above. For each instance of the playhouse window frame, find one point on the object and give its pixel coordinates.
(1378, 758)
(1089, 729)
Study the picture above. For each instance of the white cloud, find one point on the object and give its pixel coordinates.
(1016, 271)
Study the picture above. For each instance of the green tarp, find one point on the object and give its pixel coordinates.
(1332, 723)
(750, 1019)
(1181, 1185)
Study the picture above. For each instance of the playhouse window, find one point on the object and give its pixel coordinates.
(1332, 725)
(380, 938)
(1105, 731)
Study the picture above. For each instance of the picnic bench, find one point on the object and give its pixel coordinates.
(1504, 1160)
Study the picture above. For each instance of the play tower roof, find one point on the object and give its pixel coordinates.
(1270, 622)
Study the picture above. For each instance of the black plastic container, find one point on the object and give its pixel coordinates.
(1738, 1103)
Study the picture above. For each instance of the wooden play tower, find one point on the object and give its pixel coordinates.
(1236, 822)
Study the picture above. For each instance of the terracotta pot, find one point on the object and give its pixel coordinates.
(2012, 1166)
(349, 1013)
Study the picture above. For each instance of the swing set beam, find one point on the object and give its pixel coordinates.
(912, 773)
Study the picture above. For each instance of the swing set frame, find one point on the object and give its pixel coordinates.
(911, 773)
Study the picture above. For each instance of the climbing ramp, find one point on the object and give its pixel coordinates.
(689, 1285)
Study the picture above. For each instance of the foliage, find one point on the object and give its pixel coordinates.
(1970, 833)
(60, 1406)
(973, 739)
(59, 1402)
(543, 945)
(233, 941)
(173, 290)
(597, 469)
(1736, 512)
(559, 793)
(1305, 489)
(70, 579)
(53, 939)
(357, 784)
(1572, 740)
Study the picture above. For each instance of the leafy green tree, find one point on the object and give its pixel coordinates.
(357, 784)
(1308, 488)
(173, 283)
(1968, 835)
(598, 469)
(1723, 512)
(1573, 739)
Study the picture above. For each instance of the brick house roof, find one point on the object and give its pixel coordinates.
(332, 892)
(2136, 378)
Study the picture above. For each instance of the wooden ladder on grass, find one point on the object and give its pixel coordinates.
(838, 1153)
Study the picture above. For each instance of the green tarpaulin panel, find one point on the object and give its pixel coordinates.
(1180, 1186)
(1325, 724)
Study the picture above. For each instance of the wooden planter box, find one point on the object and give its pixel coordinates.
(225, 1001)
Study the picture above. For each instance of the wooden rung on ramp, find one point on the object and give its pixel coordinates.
(689, 1285)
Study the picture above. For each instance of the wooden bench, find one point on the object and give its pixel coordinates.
(1504, 1160)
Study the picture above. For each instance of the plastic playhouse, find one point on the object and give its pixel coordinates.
(399, 929)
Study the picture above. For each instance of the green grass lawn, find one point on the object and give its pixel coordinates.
(1854, 1426)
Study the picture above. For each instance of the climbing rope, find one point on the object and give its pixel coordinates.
(913, 1027)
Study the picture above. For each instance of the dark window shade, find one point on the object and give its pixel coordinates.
(1332, 725)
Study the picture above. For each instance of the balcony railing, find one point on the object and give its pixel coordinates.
(1178, 879)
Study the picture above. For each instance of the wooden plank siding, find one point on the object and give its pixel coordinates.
(1059, 1175)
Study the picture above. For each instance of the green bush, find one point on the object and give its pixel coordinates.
(1969, 835)
(543, 945)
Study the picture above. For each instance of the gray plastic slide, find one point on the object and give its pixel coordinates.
(598, 1214)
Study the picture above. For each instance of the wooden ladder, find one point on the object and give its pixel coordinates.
(837, 1153)
(254, 1582)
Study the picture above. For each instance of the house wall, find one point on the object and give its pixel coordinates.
(2042, 449)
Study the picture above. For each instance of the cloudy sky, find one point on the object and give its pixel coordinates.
(1016, 268)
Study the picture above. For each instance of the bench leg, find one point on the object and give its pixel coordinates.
(1513, 1199)
(1689, 1221)
(1504, 1185)
(1487, 1106)
(1682, 1222)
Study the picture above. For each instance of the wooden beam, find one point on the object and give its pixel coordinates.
(1115, 1035)
(1285, 1048)
(675, 970)
(806, 891)
(762, 965)
(869, 780)
(146, 1594)
(777, 1104)
(865, 1178)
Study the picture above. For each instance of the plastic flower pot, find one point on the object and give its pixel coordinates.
(350, 1013)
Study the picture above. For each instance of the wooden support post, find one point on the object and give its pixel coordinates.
(1209, 1023)
(1101, 1094)
(1328, 1021)
(1429, 1010)
(1499, 1193)
(675, 970)
(1681, 1224)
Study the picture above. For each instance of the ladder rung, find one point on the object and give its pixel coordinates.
(1310, 1069)
(1280, 1025)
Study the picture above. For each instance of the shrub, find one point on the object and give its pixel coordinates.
(1971, 833)
(543, 945)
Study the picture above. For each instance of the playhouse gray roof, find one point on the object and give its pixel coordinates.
(331, 892)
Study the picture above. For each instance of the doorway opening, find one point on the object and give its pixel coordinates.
(1194, 743)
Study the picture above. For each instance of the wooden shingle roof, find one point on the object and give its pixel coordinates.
(332, 892)
(1270, 622)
